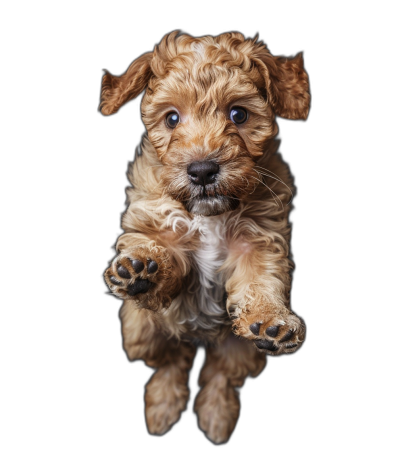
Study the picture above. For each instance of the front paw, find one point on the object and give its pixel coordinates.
(144, 274)
(273, 329)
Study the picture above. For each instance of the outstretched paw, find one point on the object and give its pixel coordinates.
(144, 274)
(277, 331)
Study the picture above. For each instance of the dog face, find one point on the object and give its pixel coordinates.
(209, 109)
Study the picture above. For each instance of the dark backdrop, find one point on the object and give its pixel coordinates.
(295, 402)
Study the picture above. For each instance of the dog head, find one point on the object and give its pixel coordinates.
(209, 109)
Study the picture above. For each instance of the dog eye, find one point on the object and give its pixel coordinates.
(238, 115)
(172, 120)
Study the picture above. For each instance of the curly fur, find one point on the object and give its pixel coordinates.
(222, 249)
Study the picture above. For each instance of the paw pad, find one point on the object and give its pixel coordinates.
(265, 344)
(152, 266)
(137, 265)
(123, 272)
(115, 281)
(129, 275)
(140, 286)
(287, 336)
(272, 331)
(255, 328)
(275, 334)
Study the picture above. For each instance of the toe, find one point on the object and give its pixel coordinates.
(287, 336)
(123, 272)
(137, 265)
(115, 281)
(152, 266)
(272, 331)
(255, 328)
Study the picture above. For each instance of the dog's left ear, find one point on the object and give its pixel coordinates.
(287, 84)
(116, 91)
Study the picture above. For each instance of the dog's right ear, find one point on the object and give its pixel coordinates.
(116, 91)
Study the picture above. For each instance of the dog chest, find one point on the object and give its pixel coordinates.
(212, 252)
(199, 311)
(207, 286)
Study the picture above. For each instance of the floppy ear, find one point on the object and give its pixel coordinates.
(287, 85)
(116, 91)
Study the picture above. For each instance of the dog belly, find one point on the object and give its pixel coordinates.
(201, 303)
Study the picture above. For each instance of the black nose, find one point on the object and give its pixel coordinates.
(202, 172)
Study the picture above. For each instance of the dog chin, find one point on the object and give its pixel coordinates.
(211, 205)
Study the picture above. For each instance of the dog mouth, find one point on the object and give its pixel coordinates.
(211, 205)
(204, 191)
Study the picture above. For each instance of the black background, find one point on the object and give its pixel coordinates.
(295, 405)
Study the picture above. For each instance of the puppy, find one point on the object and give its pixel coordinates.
(204, 257)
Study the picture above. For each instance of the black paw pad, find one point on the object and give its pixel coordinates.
(140, 286)
(265, 344)
(152, 266)
(255, 328)
(287, 336)
(115, 281)
(291, 346)
(272, 331)
(123, 272)
(137, 265)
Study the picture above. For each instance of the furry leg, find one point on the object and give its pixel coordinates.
(258, 290)
(167, 391)
(226, 367)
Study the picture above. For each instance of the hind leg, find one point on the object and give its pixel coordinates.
(226, 367)
(167, 391)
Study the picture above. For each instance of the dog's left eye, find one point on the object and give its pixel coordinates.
(238, 115)
(172, 120)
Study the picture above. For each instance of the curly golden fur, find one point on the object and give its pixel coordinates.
(205, 259)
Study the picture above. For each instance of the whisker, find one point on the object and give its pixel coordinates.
(255, 187)
(277, 179)
(266, 169)
(280, 200)
(273, 194)
(247, 181)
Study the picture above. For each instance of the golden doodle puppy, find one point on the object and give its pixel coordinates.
(204, 257)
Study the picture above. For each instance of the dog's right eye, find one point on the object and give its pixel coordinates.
(172, 120)
(238, 115)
